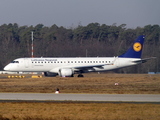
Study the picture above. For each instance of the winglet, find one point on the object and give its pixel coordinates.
(135, 50)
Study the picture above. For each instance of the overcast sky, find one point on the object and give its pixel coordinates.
(69, 13)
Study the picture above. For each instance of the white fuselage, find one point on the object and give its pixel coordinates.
(87, 64)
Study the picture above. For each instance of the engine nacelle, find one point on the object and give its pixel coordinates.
(66, 72)
(50, 74)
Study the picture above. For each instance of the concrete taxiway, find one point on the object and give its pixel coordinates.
(81, 97)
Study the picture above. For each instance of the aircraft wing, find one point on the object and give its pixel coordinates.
(79, 68)
(143, 60)
(90, 67)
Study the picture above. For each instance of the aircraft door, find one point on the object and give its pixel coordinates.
(26, 62)
(117, 62)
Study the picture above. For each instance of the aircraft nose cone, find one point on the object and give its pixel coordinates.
(7, 67)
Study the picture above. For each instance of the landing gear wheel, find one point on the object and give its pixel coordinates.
(80, 75)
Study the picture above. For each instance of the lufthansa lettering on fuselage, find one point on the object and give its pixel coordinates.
(48, 60)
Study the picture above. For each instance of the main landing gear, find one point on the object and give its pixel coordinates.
(80, 75)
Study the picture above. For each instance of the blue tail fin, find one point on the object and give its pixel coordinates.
(135, 50)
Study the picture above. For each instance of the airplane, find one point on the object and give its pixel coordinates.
(67, 67)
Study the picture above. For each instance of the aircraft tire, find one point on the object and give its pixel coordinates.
(80, 75)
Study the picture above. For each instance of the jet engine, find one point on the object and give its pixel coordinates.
(66, 72)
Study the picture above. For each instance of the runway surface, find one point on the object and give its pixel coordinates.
(81, 97)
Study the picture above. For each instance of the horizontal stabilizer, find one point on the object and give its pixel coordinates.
(144, 60)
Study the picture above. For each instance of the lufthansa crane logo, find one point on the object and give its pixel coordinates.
(137, 46)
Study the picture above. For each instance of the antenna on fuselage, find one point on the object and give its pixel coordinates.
(32, 44)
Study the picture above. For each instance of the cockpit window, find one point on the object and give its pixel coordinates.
(15, 62)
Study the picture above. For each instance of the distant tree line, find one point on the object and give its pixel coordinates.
(92, 40)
